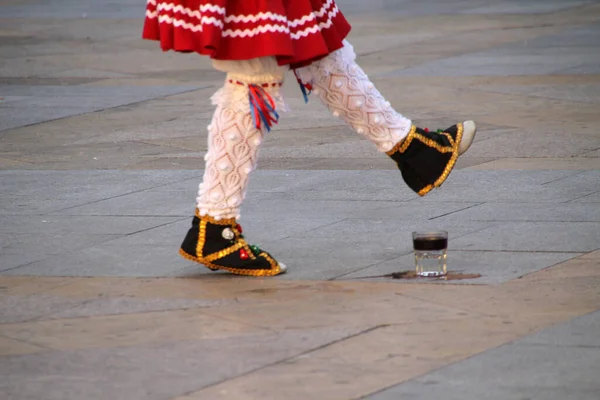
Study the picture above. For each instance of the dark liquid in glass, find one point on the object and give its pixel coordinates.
(430, 243)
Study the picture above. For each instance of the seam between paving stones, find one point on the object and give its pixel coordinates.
(590, 151)
(284, 360)
(462, 209)
(572, 346)
(570, 175)
(369, 266)
(199, 309)
(535, 221)
(25, 342)
(15, 159)
(117, 196)
(48, 317)
(312, 230)
(57, 255)
(580, 197)
(119, 237)
(439, 368)
(578, 253)
(106, 109)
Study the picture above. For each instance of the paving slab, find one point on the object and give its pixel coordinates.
(513, 193)
(574, 92)
(18, 309)
(532, 164)
(534, 236)
(554, 145)
(511, 7)
(578, 332)
(170, 369)
(23, 248)
(45, 103)
(540, 56)
(562, 212)
(107, 259)
(141, 203)
(101, 225)
(578, 183)
(414, 8)
(41, 192)
(260, 231)
(529, 370)
(122, 306)
(68, 9)
(65, 184)
(591, 198)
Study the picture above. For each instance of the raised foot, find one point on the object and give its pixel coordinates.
(426, 158)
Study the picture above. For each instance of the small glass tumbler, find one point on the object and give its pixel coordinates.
(430, 253)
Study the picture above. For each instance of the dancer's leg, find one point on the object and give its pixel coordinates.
(234, 137)
(349, 94)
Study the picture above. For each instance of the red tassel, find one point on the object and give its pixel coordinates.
(262, 107)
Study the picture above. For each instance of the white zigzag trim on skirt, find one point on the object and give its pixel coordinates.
(245, 32)
(316, 28)
(261, 16)
(204, 20)
(192, 27)
(230, 18)
(323, 9)
(180, 9)
(255, 31)
(203, 8)
(213, 21)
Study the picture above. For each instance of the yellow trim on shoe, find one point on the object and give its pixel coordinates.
(237, 271)
(453, 148)
(208, 261)
(455, 144)
(402, 145)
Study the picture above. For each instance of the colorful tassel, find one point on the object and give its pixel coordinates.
(306, 88)
(262, 107)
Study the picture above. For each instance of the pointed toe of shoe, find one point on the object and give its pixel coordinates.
(469, 131)
(282, 268)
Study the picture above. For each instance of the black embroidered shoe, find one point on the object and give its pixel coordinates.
(220, 245)
(425, 158)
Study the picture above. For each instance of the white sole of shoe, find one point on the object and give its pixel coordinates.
(469, 131)
(282, 268)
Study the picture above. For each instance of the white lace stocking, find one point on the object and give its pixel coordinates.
(348, 93)
(233, 143)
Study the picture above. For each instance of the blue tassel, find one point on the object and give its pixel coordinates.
(306, 89)
(304, 92)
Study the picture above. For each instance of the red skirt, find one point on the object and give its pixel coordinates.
(296, 32)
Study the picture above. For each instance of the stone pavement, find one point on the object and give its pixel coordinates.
(101, 144)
